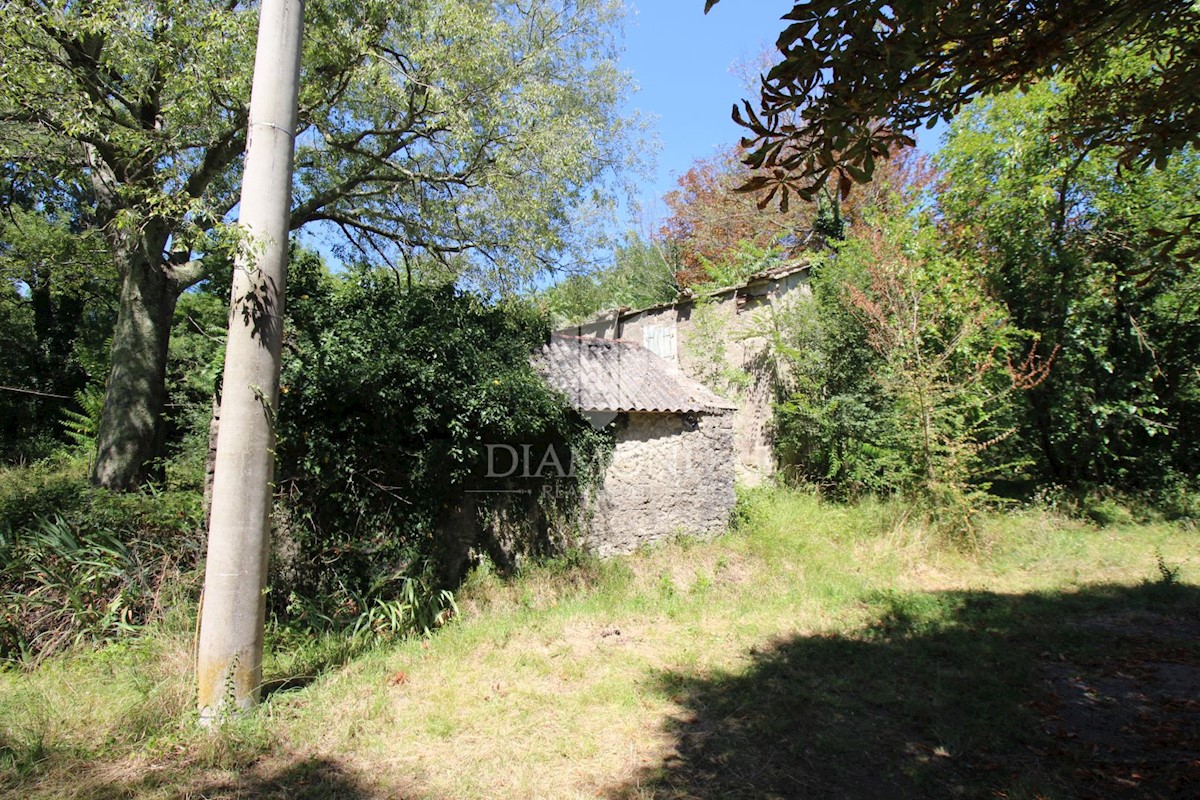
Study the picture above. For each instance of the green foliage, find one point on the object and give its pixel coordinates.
(641, 275)
(21, 415)
(828, 410)
(744, 259)
(80, 427)
(1068, 241)
(897, 371)
(857, 77)
(80, 564)
(411, 606)
(56, 312)
(470, 137)
(707, 340)
(389, 399)
(195, 361)
(1034, 329)
(65, 584)
(1167, 575)
(832, 425)
(392, 607)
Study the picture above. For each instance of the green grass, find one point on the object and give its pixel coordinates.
(818, 650)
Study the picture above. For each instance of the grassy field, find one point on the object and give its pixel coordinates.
(816, 651)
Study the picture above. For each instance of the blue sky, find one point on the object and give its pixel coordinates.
(682, 61)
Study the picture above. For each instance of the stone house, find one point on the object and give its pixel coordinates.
(721, 340)
(671, 469)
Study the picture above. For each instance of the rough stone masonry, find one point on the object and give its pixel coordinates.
(670, 475)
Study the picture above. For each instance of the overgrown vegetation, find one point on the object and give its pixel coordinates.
(391, 399)
(79, 564)
(390, 396)
(462, 135)
(850, 648)
(899, 377)
(1013, 325)
(1071, 246)
(57, 308)
(642, 273)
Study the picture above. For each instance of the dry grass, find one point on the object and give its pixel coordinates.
(579, 679)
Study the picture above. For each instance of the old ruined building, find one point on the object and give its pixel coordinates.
(720, 339)
(671, 468)
(685, 389)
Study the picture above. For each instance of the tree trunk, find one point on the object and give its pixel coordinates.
(229, 656)
(130, 432)
(210, 461)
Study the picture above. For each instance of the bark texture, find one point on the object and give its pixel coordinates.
(130, 432)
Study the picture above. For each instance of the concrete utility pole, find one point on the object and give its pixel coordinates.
(229, 661)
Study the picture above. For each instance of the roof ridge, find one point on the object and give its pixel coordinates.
(593, 339)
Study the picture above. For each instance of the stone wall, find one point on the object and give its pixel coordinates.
(743, 313)
(664, 480)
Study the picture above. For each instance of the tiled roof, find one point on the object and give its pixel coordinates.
(779, 271)
(616, 375)
(687, 295)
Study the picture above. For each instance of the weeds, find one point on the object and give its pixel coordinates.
(78, 564)
(65, 584)
(80, 427)
(1167, 575)
(398, 606)
(812, 635)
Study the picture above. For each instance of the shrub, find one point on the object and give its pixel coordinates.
(389, 397)
(78, 563)
(907, 382)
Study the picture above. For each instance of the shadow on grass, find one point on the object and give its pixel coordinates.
(278, 777)
(296, 658)
(1088, 694)
(304, 779)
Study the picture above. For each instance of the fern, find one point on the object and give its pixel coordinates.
(81, 426)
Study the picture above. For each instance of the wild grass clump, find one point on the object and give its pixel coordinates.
(82, 702)
(1176, 500)
(83, 565)
(541, 585)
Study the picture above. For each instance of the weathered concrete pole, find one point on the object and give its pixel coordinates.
(229, 660)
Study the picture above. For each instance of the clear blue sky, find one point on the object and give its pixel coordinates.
(682, 61)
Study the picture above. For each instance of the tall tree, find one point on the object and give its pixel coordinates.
(469, 131)
(57, 301)
(1066, 240)
(56, 281)
(643, 273)
(709, 220)
(713, 223)
(857, 77)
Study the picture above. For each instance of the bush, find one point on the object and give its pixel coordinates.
(78, 563)
(389, 397)
(898, 373)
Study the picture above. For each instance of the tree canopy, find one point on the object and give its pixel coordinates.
(1066, 240)
(1013, 326)
(474, 134)
(858, 77)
